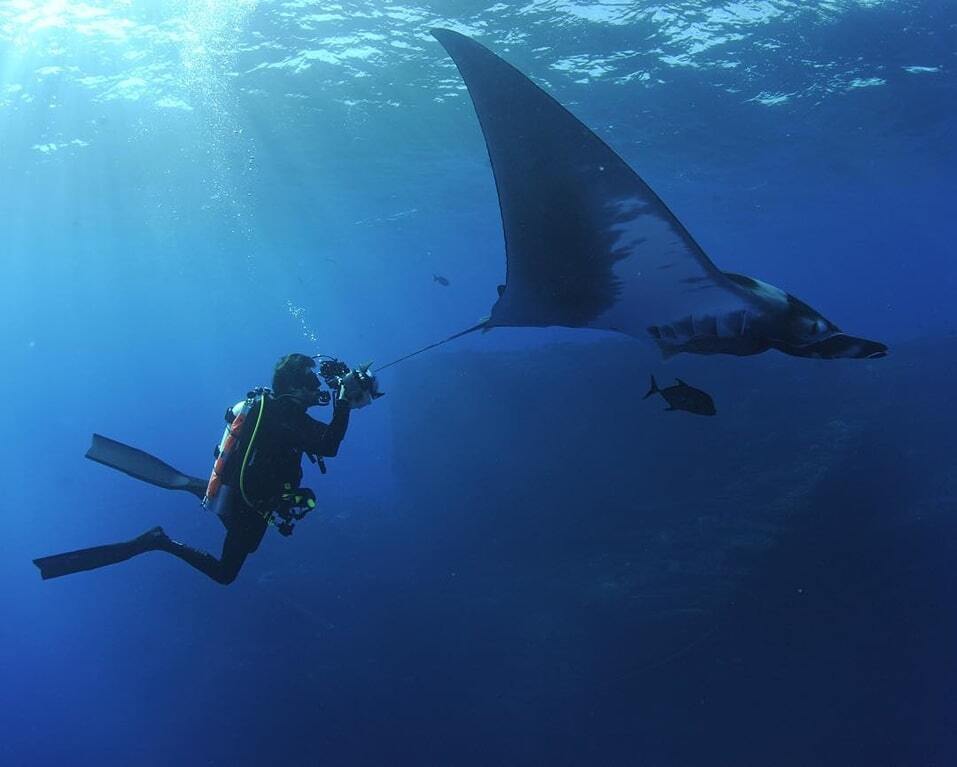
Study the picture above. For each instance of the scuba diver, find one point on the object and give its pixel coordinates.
(257, 470)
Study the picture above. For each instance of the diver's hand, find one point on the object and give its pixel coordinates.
(359, 388)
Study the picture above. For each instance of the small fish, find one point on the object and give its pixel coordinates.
(684, 397)
(440, 279)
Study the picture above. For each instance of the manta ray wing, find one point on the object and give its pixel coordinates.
(588, 243)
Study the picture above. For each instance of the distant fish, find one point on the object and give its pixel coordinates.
(684, 397)
(440, 279)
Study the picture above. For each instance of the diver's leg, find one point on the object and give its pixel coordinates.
(244, 531)
(100, 556)
(223, 570)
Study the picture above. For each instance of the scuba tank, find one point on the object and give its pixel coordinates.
(236, 428)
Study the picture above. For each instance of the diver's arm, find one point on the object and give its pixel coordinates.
(337, 427)
(324, 439)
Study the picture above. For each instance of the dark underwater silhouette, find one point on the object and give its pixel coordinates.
(589, 244)
(681, 396)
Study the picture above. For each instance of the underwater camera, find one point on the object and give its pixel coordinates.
(331, 370)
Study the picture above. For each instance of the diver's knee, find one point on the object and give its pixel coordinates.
(226, 575)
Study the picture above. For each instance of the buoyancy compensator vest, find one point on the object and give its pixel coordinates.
(236, 448)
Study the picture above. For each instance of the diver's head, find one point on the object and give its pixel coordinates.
(294, 377)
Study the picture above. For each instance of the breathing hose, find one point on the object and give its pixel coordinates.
(249, 447)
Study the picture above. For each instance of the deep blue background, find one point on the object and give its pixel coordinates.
(220, 210)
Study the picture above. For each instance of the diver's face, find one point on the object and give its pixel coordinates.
(308, 390)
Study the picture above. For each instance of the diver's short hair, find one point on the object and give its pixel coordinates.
(291, 372)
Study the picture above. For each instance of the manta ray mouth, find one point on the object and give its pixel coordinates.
(840, 345)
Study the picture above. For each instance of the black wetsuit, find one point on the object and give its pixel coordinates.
(285, 434)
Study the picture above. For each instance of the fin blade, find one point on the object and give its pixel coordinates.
(141, 465)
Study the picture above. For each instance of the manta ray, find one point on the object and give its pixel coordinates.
(589, 244)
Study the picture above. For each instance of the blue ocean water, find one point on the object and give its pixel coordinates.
(517, 561)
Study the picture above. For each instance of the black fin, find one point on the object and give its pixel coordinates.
(653, 390)
(71, 562)
(143, 466)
